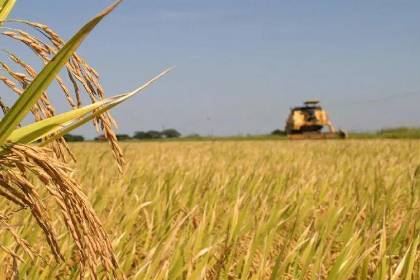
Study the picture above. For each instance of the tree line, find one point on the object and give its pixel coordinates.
(152, 135)
(138, 135)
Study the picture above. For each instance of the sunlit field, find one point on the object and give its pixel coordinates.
(248, 210)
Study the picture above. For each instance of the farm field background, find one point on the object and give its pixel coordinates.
(249, 210)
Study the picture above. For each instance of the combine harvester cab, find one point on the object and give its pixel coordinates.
(311, 122)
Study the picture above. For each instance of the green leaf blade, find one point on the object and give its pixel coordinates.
(6, 6)
(61, 124)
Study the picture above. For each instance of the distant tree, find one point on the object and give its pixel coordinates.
(122, 137)
(74, 138)
(278, 132)
(170, 133)
(140, 135)
(151, 134)
(100, 138)
(194, 135)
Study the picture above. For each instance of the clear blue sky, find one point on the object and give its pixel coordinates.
(241, 64)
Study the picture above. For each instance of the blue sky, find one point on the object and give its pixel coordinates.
(240, 65)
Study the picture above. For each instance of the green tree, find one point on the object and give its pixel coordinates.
(73, 138)
(171, 133)
(278, 132)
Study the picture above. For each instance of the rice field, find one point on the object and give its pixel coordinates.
(246, 210)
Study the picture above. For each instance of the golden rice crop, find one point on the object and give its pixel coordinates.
(244, 210)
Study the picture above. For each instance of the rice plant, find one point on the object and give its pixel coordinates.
(36, 179)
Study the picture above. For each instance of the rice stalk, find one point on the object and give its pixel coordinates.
(20, 167)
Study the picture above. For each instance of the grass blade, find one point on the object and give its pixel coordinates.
(6, 6)
(38, 130)
(65, 122)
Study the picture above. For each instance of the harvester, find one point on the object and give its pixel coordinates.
(311, 122)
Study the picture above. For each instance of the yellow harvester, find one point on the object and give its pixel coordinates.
(311, 122)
